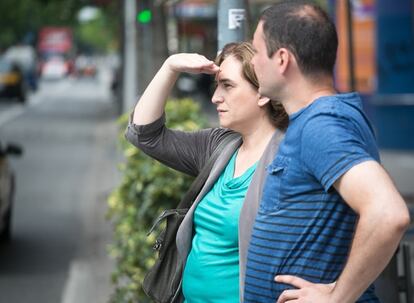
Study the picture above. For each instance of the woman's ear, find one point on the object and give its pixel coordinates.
(263, 101)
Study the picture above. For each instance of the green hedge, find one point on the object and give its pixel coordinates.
(147, 188)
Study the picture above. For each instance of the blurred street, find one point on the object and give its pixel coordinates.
(58, 251)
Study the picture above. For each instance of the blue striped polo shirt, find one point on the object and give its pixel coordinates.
(303, 226)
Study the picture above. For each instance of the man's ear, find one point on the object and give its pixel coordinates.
(282, 57)
(263, 101)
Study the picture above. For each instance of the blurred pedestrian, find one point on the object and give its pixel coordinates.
(330, 218)
(214, 235)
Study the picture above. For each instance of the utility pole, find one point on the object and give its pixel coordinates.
(350, 36)
(145, 44)
(129, 84)
(231, 25)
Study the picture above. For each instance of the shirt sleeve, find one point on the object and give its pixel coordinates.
(330, 146)
(181, 150)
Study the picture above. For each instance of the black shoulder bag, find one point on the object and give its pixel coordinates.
(162, 282)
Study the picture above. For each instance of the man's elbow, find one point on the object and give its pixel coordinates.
(405, 220)
(399, 219)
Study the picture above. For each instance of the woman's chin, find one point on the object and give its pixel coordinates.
(224, 124)
(229, 126)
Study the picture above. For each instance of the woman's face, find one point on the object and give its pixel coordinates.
(235, 98)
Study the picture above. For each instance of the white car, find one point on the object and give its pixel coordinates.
(54, 68)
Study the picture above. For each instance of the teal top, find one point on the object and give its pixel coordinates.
(211, 273)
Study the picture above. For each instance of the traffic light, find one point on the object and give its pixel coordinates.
(144, 16)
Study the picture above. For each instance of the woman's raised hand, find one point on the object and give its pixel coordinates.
(152, 102)
(191, 63)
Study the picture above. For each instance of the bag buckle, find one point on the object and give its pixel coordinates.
(158, 244)
(164, 215)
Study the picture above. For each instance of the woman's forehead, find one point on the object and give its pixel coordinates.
(230, 68)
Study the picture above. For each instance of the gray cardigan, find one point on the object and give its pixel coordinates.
(188, 152)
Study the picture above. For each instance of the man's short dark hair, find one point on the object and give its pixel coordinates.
(306, 30)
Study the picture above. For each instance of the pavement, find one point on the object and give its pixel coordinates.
(400, 166)
(89, 278)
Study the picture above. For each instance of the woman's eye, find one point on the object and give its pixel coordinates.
(226, 85)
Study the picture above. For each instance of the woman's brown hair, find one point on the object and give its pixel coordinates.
(244, 52)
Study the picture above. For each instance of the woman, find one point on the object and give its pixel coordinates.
(211, 239)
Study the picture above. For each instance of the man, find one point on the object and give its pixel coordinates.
(330, 218)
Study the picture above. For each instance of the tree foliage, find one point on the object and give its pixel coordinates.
(20, 20)
(101, 33)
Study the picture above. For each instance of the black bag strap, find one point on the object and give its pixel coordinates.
(199, 181)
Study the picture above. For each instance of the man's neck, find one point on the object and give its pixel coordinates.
(303, 93)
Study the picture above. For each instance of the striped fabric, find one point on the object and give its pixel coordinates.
(303, 226)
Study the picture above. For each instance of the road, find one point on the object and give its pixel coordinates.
(59, 248)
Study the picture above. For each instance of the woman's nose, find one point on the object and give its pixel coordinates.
(217, 98)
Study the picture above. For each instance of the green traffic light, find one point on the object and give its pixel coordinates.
(144, 16)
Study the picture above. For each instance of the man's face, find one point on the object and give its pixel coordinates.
(264, 66)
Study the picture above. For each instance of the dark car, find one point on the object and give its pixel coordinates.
(7, 186)
(12, 83)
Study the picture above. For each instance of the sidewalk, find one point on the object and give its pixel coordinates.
(89, 277)
(400, 165)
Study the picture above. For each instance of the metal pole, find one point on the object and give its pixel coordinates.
(145, 47)
(231, 25)
(351, 60)
(130, 57)
(386, 286)
(409, 293)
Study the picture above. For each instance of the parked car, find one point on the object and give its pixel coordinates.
(12, 83)
(25, 57)
(7, 187)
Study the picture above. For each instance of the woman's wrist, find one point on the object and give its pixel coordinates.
(169, 66)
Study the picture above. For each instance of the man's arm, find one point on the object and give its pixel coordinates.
(383, 218)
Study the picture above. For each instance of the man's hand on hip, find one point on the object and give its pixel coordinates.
(306, 292)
